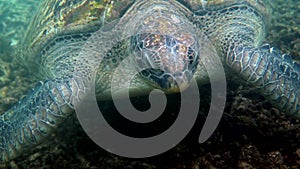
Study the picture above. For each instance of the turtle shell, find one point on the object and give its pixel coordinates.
(63, 17)
(262, 6)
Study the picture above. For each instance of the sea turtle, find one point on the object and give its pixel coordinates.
(163, 36)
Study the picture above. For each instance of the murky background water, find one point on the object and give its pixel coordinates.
(15, 16)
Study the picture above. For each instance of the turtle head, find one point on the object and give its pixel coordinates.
(165, 50)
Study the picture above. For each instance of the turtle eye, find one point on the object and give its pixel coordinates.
(193, 59)
(191, 55)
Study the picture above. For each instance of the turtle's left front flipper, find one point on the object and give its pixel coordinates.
(277, 76)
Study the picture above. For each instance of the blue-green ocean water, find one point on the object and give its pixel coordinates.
(14, 18)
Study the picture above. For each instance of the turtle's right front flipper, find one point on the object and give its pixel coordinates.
(71, 62)
(35, 117)
(276, 75)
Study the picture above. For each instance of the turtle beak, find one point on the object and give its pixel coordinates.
(169, 83)
(176, 83)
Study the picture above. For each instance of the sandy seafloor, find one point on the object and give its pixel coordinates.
(252, 134)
